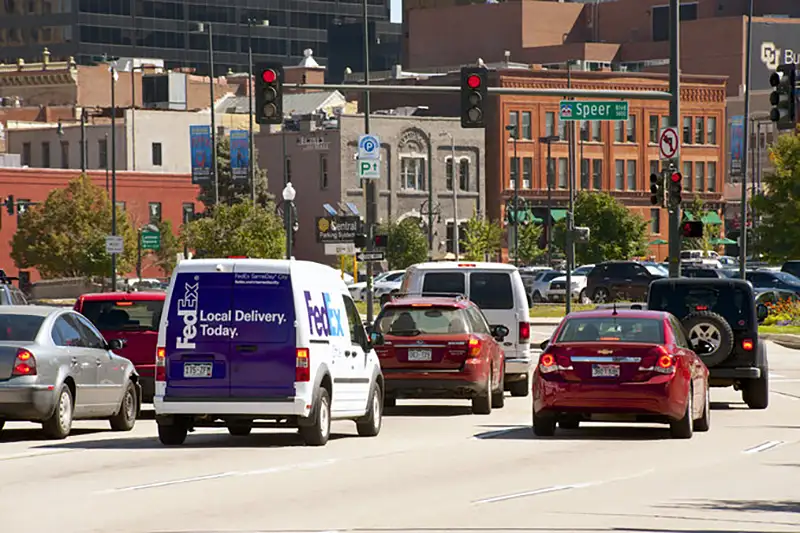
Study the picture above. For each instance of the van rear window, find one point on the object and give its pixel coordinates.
(444, 283)
(144, 315)
(491, 290)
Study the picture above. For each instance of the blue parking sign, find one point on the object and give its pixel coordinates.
(369, 147)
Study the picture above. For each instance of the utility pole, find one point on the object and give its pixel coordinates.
(250, 83)
(674, 121)
(456, 183)
(214, 173)
(113, 71)
(512, 130)
(746, 142)
(83, 141)
(571, 211)
(550, 139)
(372, 207)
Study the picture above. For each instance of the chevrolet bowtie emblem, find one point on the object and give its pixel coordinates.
(605, 352)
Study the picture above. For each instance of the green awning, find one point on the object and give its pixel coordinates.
(558, 214)
(712, 218)
(722, 241)
(688, 216)
(658, 242)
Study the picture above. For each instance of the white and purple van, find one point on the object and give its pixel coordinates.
(263, 343)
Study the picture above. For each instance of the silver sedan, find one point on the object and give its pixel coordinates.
(55, 367)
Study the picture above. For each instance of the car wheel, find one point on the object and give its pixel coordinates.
(570, 422)
(319, 431)
(499, 395)
(59, 425)
(125, 418)
(704, 422)
(582, 298)
(482, 404)
(370, 425)
(682, 429)
(755, 392)
(544, 425)
(172, 434)
(519, 389)
(536, 297)
(240, 428)
(601, 296)
(711, 328)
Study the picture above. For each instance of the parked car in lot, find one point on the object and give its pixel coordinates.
(440, 348)
(9, 294)
(622, 280)
(134, 316)
(557, 288)
(764, 278)
(620, 365)
(541, 283)
(55, 367)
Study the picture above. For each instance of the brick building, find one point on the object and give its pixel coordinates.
(615, 157)
(138, 193)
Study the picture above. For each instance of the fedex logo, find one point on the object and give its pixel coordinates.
(324, 320)
(187, 311)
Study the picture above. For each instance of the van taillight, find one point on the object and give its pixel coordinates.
(524, 331)
(302, 368)
(24, 364)
(161, 364)
(474, 349)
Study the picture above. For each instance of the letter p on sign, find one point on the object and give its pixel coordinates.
(369, 169)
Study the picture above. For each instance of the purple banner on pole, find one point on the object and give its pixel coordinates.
(202, 153)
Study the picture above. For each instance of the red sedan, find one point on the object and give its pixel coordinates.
(440, 347)
(620, 366)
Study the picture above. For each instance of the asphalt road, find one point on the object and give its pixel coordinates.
(434, 467)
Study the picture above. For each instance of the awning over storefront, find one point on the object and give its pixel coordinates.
(558, 214)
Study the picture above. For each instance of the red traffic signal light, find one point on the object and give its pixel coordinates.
(676, 177)
(474, 81)
(269, 76)
(692, 229)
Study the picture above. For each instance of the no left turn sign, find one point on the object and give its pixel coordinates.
(668, 142)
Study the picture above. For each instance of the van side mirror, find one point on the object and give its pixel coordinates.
(500, 332)
(544, 344)
(117, 344)
(762, 312)
(376, 339)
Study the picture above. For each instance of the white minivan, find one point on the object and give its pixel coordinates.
(496, 288)
(263, 343)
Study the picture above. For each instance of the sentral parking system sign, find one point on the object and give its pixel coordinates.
(337, 229)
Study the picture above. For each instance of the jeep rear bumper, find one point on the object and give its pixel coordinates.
(726, 375)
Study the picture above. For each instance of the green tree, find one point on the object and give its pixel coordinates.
(408, 244)
(166, 256)
(529, 251)
(66, 235)
(233, 191)
(778, 207)
(481, 238)
(239, 229)
(697, 210)
(616, 232)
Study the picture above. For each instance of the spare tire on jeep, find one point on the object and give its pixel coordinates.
(714, 330)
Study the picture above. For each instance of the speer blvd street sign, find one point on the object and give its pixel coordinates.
(580, 110)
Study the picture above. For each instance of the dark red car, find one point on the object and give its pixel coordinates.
(134, 317)
(620, 366)
(440, 347)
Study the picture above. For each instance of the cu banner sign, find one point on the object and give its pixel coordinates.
(773, 44)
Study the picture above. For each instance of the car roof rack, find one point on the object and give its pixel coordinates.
(457, 296)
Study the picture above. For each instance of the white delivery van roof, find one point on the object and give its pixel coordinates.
(464, 265)
(279, 266)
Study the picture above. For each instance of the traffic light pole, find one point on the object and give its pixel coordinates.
(674, 121)
(746, 146)
(372, 207)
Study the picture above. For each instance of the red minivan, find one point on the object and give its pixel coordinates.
(135, 317)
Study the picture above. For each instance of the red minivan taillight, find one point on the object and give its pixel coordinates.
(24, 364)
(302, 368)
(161, 364)
(524, 331)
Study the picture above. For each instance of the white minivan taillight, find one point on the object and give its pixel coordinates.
(524, 331)
(161, 364)
(302, 367)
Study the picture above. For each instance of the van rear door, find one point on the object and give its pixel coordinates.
(493, 292)
(198, 334)
(263, 353)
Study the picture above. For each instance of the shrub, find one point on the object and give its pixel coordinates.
(784, 312)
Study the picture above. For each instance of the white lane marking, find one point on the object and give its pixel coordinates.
(499, 432)
(786, 395)
(263, 471)
(774, 375)
(764, 446)
(29, 455)
(786, 380)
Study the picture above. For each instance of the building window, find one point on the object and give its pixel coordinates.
(630, 127)
(102, 153)
(584, 129)
(154, 209)
(288, 164)
(448, 172)
(653, 167)
(562, 173)
(687, 130)
(187, 208)
(632, 175)
(711, 179)
(562, 130)
(155, 150)
(585, 178)
(664, 123)
(700, 176)
(655, 221)
(653, 129)
(527, 172)
(462, 231)
(412, 173)
(463, 174)
(323, 172)
(513, 170)
(597, 174)
(45, 155)
(711, 131)
(660, 19)
(687, 176)
(64, 154)
(549, 124)
(526, 125)
(699, 130)
(513, 124)
(619, 132)
(597, 135)
(26, 154)
(619, 174)
(550, 173)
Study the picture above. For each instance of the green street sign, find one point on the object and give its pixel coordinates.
(580, 110)
(151, 240)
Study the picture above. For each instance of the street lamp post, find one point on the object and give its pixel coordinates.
(201, 28)
(251, 170)
(84, 163)
(113, 71)
(455, 185)
(289, 194)
(512, 128)
(550, 139)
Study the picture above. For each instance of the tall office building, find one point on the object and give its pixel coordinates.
(85, 29)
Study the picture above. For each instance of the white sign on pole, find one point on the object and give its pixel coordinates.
(369, 147)
(369, 169)
(340, 248)
(668, 142)
(114, 244)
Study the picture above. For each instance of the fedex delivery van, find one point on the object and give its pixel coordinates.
(263, 343)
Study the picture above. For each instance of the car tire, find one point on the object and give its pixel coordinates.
(755, 392)
(683, 428)
(319, 431)
(582, 298)
(59, 424)
(370, 425)
(519, 389)
(705, 324)
(482, 403)
(125, 418)
(570, 422)
(389, 401)
(601, 296)
(704, 422)
(544, 425)
(239, 428)
(172, 434)
(499, 395)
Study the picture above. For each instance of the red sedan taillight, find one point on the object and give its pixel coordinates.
(161, 364)
(24, 364)
(665, 362)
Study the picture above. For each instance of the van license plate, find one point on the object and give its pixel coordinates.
(605, 371)
(197, 370)
(419, 355)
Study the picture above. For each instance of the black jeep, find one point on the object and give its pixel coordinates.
(721, 322)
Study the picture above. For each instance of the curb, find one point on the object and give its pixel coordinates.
(783, 339)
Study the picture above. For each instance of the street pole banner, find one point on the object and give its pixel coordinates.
(240, 154)
(737, 145)
(200, 139)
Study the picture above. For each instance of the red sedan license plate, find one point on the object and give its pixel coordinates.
(605, 371)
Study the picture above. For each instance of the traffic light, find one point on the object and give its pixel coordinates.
(380, 241)
(269, 93)
(474, 93)
(9, 203)
(656, 189)
(692, 229)
(783, 98)
(360, 241)
(675, 189)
